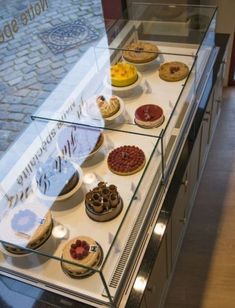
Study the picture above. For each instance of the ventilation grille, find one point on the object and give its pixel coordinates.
(126, 252)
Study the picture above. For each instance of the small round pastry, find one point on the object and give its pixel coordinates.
(173, 71)
(103, 203)
(140, 52)
(79, 143)
(22, 223)
(57, 177)
(108, 106)
(126, 160)
(123, 74)
(149, 116)
(81, 250)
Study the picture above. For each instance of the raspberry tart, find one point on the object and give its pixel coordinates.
(126, 160)
(81, 250)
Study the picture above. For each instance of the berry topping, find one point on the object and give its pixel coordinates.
(79, 250)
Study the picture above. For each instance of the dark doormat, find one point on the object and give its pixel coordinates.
(69, 35)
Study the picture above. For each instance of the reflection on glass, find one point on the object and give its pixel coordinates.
(140, 284)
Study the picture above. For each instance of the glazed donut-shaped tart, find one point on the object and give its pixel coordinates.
(173, 71)
(140, 52)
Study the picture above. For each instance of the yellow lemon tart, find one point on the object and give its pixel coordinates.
(123, 74)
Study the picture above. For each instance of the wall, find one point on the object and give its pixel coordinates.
(225, 22)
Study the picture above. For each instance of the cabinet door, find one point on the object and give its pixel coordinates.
(205, 133)
(143, 303)
(158, 278)
(178, 215)
(193, 174)
(218, 90)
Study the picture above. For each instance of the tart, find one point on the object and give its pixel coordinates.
(81, 250)
(57, 177)
(79, 143)
(108, 106)
(22, 223)
(123, 74)
(126, 160)
(140, 52)
(173, 71)
(103, 203)
(149, 116)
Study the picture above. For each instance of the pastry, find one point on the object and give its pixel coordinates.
(79, 143)
(103, 203)
(25, 221)
(126, 160)
(81, 250)
(57, 177)
(108, 106)
(173, 71)
(148, 116)
(140, 52)
(123, 74)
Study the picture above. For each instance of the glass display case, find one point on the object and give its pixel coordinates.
(79, 200)
(82, 186)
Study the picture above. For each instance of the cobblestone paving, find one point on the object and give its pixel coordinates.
(29, 71)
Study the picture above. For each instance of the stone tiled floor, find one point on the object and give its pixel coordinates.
(29, 70)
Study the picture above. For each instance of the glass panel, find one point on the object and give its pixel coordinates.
(171, 22)
(41, 43)
(180, 117)
(206, 46)
(76, 183)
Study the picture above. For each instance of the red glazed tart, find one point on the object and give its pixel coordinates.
(148, 116)
(126, 160)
